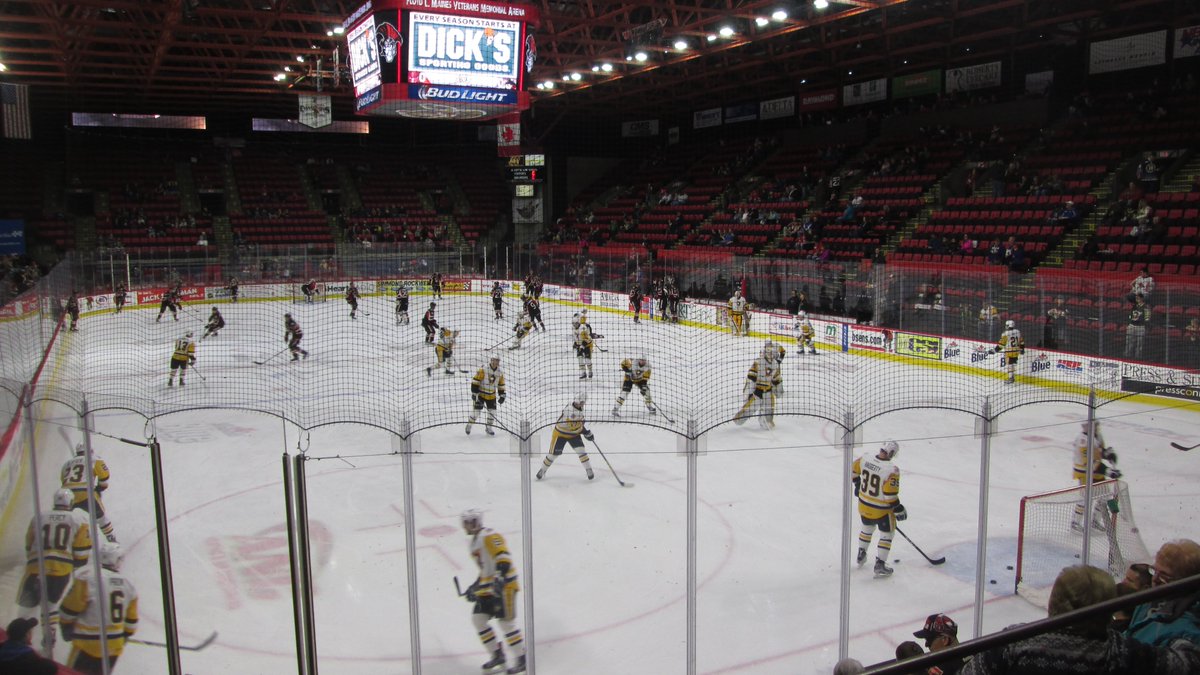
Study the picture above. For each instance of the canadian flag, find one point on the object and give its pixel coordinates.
(508, 135)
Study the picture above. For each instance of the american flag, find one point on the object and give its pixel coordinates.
(14, 99)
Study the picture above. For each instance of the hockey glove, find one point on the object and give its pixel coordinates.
(856, 481)
(192, 361)
(900, 512)
(68, 631)
(475, 400)
(778, 389)
(470, 594)
(587, 433)
(498, 585)
(998, 349)
(1108, 455)
(1022, 349)
(500, 399)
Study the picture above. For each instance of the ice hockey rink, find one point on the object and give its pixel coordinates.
(609, 562)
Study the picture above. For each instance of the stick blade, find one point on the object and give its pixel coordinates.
(627, 484)
(1183, 448)
(937, 561)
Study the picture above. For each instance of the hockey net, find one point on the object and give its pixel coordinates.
(1051, 536)
(298, 294)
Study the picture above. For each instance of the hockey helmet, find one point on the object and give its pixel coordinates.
(287, 316)
(769, 350)
(79, 449)
(432, 305)
(889, 449)
(472, 520)
(580, 399)
(189, 334)
(495, 361)
(1010, 324)
(803, 316)
(64, 499)
(643, 362)
(445, 332)
(111, 555)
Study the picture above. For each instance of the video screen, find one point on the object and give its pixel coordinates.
(463, 51)
(364, 56)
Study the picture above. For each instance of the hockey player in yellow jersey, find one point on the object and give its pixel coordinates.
(522, 329)
(804, 333)
(74, 477)
(877, 487)
(1103, 468)
(763, 384)
(737, 314)
(567, 431)
(636, 373)
(84, 606)
(63, 541)
(487, 391)
(184, 355)
(584, 342)
(444, 349)
(1012, 345)
(494, 593)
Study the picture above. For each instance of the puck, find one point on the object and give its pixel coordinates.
(992, 581)
(1009, 567)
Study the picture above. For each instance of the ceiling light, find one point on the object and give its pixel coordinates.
(280, 77)
(640, 55)
(606, 67)
(906, 62)
(329, 33)
(338, 30)
(780, 14)
(681, 44)
(968, 49)
(804, 80)
(761, 21)
(541, 85)
(287, 69)
(820, 4)
(576, 77)
(549, 84)
(849, 72)
(711, 37)
(566, 78)
(300, 59)
(595, 69)
(725, 31)
(3, 67)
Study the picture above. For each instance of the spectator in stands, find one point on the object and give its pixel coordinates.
(1148, 173)
(1054, 332)
(727, 238)
(17, 654)
(203, 240)
(1137, 578)
(793, 303)
(1086, 646)
(1162, 622)
(908, 650)
(1135, 332)
(936, 245)
(1131, 193)
(1065, 215)
(940, 632)
(850, 215)
(995, 254)
(966, 246)
(1143, 285)
(1191, 343)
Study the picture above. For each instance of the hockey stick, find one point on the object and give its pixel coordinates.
(1184, 448)
(259, 363)
(189, 648)
(197, 371)
(932, 561)
(665, 415)
(457, 588)
(610, 466)
(499, 343)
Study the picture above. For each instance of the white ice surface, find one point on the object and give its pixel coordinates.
(609, 563)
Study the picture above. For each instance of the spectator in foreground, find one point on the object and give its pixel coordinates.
(940, 632)
(1176, 618)
(1087, 646)
(17, 654)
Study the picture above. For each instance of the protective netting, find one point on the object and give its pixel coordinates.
(375, 369)
(1051, 535)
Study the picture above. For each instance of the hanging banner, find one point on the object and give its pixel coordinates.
(639, 129)
(864, 92)
(819, 100)
(971, 78)
(1187, 42)
(508, 135)
(917, 84)
(1038, 83)
(777, 108)
(315, 111)
(673, 136)
(1126, 53)
(702, 119)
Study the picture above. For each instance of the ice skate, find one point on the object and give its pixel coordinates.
(541, 473)
(468, 428)
(494, 664)
(429, 371)
(591, 474)
(882, 569)
(518, 666)
(489, 431)
(862, 557)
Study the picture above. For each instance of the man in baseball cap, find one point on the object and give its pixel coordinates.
(17, 654)
(940, 632)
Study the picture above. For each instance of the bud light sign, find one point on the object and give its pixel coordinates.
(429, 92)
(464, 51)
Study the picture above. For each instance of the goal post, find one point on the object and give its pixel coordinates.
(299, 295)
(1051, 535)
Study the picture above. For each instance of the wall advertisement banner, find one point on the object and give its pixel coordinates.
(1038, 83)
(702, 119)
(639, 129)
(862, 337)
(865, 92)
(971, 78)
(917, 84)
(1187, 42)
(826, 99)
(777, 108)
(919, 346)
(1126, 53)
(12, 237)
(456, 285)
(610, 300)
(560, 293)
(1186, 392)
(742, 112)
(217, 292)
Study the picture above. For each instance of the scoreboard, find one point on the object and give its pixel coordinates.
(441, 58)
(527, 169)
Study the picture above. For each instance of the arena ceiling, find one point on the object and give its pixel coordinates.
(221, 57)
